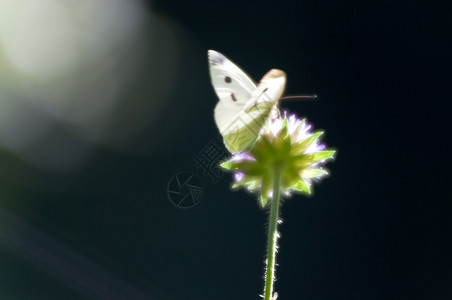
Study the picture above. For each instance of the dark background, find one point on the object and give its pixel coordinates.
(377, 228)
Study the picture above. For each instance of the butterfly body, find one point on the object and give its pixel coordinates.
(244, 108)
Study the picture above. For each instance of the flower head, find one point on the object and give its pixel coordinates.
(287, 144)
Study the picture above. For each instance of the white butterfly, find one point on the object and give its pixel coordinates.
(244, 108)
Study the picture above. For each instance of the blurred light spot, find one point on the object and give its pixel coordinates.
(74, 72)
(47, 38)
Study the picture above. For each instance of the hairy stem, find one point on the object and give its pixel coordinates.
(272, 236)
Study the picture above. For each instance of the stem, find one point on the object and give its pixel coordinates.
(272, 236)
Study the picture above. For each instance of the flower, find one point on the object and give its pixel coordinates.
(287, 144)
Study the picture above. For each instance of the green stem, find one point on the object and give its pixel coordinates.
(272, 236)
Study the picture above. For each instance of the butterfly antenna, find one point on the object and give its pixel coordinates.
(299, 97)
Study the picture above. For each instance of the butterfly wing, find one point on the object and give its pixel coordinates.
(243, 108)
(243, 132)
(232, 85)
(270, 88)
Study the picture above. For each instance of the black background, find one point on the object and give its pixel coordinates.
(377, 228)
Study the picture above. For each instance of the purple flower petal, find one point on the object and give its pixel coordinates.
(242, 156)
(238, 176)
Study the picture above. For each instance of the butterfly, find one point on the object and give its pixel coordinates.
(244, 108)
